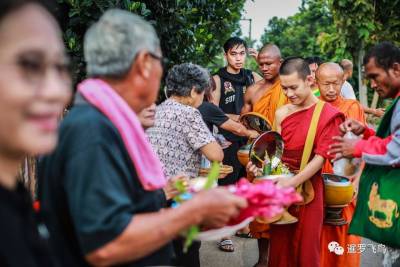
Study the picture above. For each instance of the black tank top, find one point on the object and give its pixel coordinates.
(233, 88)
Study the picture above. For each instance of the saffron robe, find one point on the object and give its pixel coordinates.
(298, 244)
(273, 99)
(352, 109)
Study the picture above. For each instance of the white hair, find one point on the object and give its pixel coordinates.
(112, 43)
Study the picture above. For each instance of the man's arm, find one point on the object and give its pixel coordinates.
(248, 105)
(145, 233)
(216, 94)
(212, 151)
(378, 112)
(238, 129)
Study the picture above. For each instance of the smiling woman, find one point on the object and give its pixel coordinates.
(34, 88)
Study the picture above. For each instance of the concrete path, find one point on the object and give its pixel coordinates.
(246, 255)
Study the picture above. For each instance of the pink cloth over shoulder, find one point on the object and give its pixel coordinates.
(104, 98)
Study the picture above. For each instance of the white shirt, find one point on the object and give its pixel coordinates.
(347, 91)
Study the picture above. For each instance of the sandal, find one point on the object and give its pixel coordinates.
(226, 245)
(244, 235)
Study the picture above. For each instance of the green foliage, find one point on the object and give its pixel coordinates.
(363, 23)
(189, 30)
(302, 33)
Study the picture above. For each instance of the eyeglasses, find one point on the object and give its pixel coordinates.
(34, 69)
(162, 60)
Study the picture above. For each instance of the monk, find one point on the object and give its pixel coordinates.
(330, 77)
(265, 97)
(298, 244)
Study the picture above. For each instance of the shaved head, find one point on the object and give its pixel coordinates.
(329, 69)
(330, 78)
(271, 50)
(269, 62)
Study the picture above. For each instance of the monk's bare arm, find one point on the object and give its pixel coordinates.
(216, 94)
(312, 168)
(248, 105)
(257, 77)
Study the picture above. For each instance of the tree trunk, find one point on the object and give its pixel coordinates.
(375, 99)
(362, 87)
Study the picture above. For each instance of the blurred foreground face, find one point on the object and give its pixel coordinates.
(34, 81)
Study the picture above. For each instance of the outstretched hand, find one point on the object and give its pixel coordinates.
(353, 126)
(342, 148)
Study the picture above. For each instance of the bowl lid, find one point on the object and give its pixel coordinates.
(255, 121)
(269, 142)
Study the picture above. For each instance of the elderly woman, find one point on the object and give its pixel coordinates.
(179, 135)
(34, 88)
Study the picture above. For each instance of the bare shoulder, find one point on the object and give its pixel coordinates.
(282, 112)
(257, 77)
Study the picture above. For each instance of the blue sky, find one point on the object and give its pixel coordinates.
(261, 11)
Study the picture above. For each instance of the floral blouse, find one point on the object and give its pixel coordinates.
(177, 136)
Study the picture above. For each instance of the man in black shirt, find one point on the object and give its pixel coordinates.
(99, 208)
(231, 83)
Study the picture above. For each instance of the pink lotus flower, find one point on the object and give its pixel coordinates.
(265, 199)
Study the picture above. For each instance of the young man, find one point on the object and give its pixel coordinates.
(231, 84)
(265, 97)
(330, 77)
(298, 244)
(381, 152)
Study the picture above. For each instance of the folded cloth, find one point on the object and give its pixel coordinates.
(104, 98)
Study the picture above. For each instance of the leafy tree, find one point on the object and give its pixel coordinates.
(189, 30)
(300, 34)
(361, 24)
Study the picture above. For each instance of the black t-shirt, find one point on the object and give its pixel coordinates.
(233, 88)
(89, 190)
(20, 242)
(212, 115)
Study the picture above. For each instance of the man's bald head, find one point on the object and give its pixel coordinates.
(271, 50)
(329, 68)
(330, 78)
(269, 62)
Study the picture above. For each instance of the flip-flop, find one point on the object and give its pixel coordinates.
(226, 245)
(244, 235)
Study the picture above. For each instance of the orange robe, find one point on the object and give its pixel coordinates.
(298, 244)
(352, 110)
(272, 99)
(267, 105)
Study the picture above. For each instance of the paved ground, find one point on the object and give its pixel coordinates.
(246, 255)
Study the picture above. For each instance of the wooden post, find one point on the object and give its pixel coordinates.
(362, 87)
